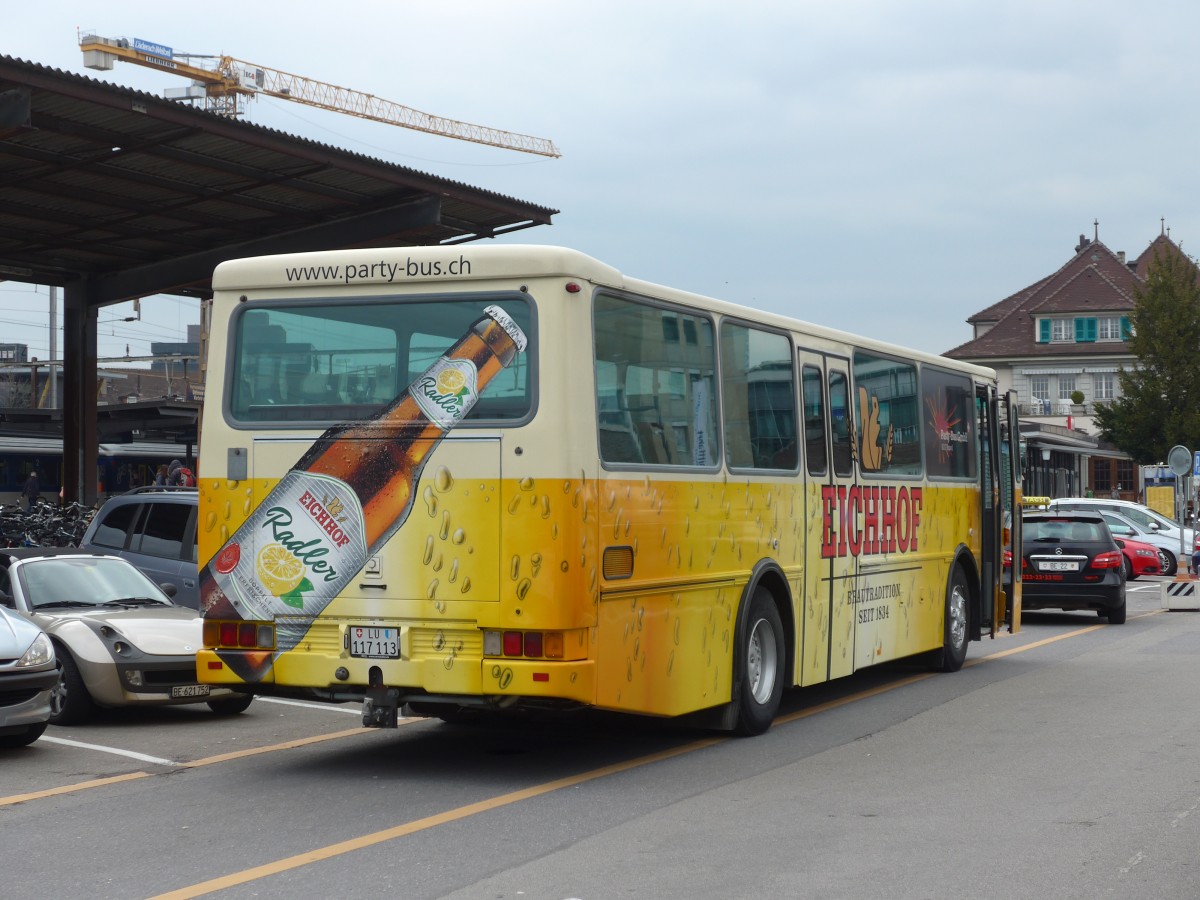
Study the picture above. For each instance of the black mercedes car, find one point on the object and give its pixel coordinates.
(1070, 561)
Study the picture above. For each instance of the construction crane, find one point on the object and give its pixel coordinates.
(226, 83)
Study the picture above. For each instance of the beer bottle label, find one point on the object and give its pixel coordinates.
(447, 391)
(296, 551)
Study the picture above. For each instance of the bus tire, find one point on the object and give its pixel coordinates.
(954, 631)
(760, 658)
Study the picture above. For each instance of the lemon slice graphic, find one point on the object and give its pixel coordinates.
(278, 569)
(451, 381)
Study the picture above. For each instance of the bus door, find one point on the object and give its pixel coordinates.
(1011, 496)
(830, 571)
(991, 512)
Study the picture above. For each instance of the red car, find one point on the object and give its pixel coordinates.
(1140, 558)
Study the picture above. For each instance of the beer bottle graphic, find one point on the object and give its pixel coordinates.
(347, 495)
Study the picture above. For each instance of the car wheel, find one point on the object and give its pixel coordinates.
(1170, 565)
(954, 640)
(231, 706)
(1116, 615)
(70, 702)
(1128, 567)
(759, 679)
(25, 738)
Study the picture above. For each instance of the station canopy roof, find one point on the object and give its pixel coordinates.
(144, 195)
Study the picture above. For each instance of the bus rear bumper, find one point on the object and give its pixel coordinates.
(483, 678)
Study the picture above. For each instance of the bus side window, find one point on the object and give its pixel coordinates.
(814, 421)
(839, 403)
(656, 399)
(759, 390)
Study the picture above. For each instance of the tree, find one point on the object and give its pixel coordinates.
(1159, 405)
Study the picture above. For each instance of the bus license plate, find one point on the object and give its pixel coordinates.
(375, 643)
(190, 690)
(1059, 565)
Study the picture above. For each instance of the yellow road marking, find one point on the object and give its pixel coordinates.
(71, 788)
(451, 815)
(131, 776)
(286, 745)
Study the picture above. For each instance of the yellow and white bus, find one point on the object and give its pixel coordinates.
(654, 502)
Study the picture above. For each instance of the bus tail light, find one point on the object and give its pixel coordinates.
(239, 635)
(514, 643)
(524, 644)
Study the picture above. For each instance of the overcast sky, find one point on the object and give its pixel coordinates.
(885, 167)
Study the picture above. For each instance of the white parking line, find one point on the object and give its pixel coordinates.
(328, 707)
(131, 754)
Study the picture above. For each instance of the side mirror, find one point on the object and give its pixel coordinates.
(169, 589)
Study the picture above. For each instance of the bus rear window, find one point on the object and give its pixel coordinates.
(341, 362)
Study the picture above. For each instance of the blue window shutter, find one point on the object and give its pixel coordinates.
(1080, 325)
(1043, 331)
(1125, 330)
(1085, 330)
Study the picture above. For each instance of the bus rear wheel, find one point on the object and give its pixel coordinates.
(954, 636)
(759, 678)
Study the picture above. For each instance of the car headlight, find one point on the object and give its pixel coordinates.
(40, 652)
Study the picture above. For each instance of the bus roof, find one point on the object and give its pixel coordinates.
(364, 268)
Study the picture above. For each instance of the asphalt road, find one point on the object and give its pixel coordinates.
(1062, 761)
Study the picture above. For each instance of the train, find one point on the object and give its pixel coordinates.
(119, 467)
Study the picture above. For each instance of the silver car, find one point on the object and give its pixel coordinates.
(119, 639)
(28, 675)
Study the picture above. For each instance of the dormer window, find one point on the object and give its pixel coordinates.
(1082, 329)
